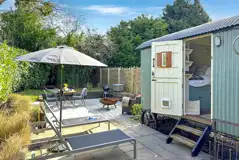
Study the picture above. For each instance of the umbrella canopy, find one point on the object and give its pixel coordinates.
(61, 55)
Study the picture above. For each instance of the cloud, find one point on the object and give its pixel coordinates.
(117, 10)
(108, 9)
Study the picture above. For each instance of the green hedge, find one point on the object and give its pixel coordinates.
(15, 75)
(10, 74)
(75, 76)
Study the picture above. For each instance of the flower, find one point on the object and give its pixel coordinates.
(65, 85)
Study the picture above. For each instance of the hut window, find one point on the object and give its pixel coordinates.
(164, 59)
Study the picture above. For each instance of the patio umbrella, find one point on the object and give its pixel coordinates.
(60, 55)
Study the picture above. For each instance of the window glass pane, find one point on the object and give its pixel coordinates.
(164, 59)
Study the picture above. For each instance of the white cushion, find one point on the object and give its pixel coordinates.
(201, 70)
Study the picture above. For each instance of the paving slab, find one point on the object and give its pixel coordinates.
(109, 154)
(129, 147)
(133, 134)
(145, 154)
(149, 139)
(144, 130)
(161, 136)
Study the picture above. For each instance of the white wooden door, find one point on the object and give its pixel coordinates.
(167, 79)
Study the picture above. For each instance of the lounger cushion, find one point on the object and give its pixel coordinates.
(95, 139)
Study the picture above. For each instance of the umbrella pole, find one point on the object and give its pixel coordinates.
(59, 147)
(61, 96)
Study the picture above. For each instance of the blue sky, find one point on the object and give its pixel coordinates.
(102, 14)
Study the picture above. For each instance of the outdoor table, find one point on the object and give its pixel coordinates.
(67, 95)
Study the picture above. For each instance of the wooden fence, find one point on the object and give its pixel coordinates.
(130, 77)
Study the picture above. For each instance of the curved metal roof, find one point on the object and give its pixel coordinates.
(209, 27)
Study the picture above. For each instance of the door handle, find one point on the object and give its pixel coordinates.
(153, 62)
(153, 79)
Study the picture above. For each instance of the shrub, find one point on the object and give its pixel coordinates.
(75, 76)
(35, 113)
(136, 111)
(10, 149)
(19, 75)
(25, 134)
(89, 86)
(12, 124)
(7, 69)
(18, 103)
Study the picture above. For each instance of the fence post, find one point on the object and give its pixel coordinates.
(119, 75)
(100, 76)
(132, 80)
(108, 78)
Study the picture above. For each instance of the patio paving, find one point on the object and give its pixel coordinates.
(150, 143)
(92, 108)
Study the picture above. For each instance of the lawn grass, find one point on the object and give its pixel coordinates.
(34, 93)
(90, 90)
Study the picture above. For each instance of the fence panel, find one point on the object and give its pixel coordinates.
(130, 77)
(104, 76)
(113, 76)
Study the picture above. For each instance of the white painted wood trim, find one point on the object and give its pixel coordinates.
(212, 46)
(197, 37)
(184, 78)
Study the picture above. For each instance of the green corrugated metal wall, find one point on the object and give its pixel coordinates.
(226, 81)
(145, 77)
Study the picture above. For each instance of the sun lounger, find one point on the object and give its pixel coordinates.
(75, 121)
(80, 143)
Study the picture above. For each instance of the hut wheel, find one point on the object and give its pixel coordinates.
(149, 119)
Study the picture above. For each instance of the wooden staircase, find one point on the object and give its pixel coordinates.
(190, 135)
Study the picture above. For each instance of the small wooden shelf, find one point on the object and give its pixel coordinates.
(188, 64)
(188, 75)
(188, 52)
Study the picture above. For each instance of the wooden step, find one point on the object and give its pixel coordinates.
(190, 130)
(183, 140)
(199, 119)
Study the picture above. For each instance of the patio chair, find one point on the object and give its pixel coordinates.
(80, 96)
(51, 98)
(80, 143)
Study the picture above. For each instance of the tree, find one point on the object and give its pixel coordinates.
(128, 35)
(24, 27)
(183, 14)
(90, 43)
(96, 46)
